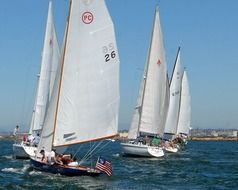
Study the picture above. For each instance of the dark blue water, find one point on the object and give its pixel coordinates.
(202, 165)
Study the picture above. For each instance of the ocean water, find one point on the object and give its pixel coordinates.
(202, 165)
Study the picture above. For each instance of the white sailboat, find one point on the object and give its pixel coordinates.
(184, 122)
(152, 105)
(85, 99)
(174, 104)
(179, 117)
(49, 64)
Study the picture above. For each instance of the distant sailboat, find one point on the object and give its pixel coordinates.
(184, 122)
(179, 115)
(85, 99)
(152, 104)
(49, 64)
(174, 104)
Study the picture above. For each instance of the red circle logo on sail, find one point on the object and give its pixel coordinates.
(87, 17)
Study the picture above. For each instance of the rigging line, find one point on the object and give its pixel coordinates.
(95, 152)
(86, 157)
(77, 151)
(102, 147)
(89, 153)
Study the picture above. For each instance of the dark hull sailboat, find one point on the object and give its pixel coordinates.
(64, 170)
(68, 119)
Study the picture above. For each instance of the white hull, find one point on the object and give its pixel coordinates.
(23, 151)
(142, 150)
(171, 149)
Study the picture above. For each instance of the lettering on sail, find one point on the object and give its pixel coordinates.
(87, 17)
(109, 52)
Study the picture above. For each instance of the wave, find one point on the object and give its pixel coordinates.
(17, 170)
(9, 157)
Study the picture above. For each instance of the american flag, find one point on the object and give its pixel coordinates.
(104, 166)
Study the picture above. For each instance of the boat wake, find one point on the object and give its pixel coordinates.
(17, 170)
(8, 157)
(116, 155)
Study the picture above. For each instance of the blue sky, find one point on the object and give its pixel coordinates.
(206, 30)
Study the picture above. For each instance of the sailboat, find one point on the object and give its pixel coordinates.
(49, 64)
(85, 100)
(184, 122)
(174, 104)
(179, 115)
(152, 105)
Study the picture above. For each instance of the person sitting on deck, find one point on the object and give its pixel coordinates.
(58, 159)
(155, 141)
(48, 157)
(66, 159)
(44, 157)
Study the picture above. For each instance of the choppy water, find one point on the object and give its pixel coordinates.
(203, 165)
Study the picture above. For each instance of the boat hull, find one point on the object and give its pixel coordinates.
(142, 150)
(171, 149)
(21, 151)
(63, 170)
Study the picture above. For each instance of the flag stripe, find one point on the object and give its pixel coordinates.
(104, 166)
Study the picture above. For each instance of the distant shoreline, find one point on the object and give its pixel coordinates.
(17, 138)
(214, 138)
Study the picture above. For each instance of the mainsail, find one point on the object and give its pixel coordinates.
(184, 122)
(85, 101)
(49, 64)
(153, 97)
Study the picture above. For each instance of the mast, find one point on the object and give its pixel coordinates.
(174, 65)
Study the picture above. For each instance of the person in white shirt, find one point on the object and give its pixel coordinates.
(16, 130)
(48, 157)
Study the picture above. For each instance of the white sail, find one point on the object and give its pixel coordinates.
(184, 122)
(85, 101)
(134, 127)
(49, 63)
(153, 110)
(175, 93)
(153, 97)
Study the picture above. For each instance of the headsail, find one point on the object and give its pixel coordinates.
(184, 122)
(175, 93)
(49, 64)
(86, 101)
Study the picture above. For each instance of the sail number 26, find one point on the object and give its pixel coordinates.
(109, 52)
